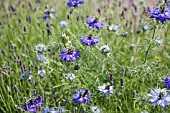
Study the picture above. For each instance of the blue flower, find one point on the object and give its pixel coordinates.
(74, 3)
(89, 40)
(25, 75)
(40, 48)
(48, 14)
(63, 24)
(41, 57)
(160, 14)
(69, 55)
(94, 23)
(145, 27)
(106, 89)
(81, 96)
(50, 110)
(167, 81)
(31, 105)
(159, 97)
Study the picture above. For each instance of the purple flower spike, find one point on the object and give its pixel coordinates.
(167, 81)
(160, 14)
(74, 3)
(81, 96)
(94, 23)
(89, 40)
(70, 55)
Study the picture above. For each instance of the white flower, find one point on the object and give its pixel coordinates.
(40, 48)
(41, 73)
(106, 89)
(95, 109)
(159, 40)
(113, 27)
(71, 76)
(105, 49)
(63, 24)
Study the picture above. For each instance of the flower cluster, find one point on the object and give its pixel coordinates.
(160, 14)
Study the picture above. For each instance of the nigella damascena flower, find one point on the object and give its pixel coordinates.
(69, 55)
(159, 97)
(48, 14)
(159, 41)
(95, 109)
(40, 48)
(63, 24)
(25, 75)
(106, 89)
(41, 73)
(105, 49)
(50, 110)
(74, 3)
(113, 27)
(124, 34)
(95, 23)
(41, 57)
(71, 76)
(167, 82)
(33, 104)
(90, 40)
(160, 14)
(81, 96)
(145, 27)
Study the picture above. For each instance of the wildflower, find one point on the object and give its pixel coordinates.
(159, 41)
(25, 75)
(105, 49)
(40, 48)
(160, 14)
(65, 39)
(41, 57)
(41, 73)
(81, 96)
(69, 55)
(124, 34)
(95, 109)
(50, 110)
(167, 82)
(71, 76)
(48, 14)
(94, 23)
(113, 27)
(32, 104)
(74, 3)
(89, 40)
(106, 89)
(159, 97)
(145, 27)
(63, 24)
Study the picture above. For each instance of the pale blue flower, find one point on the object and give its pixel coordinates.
(159, 97)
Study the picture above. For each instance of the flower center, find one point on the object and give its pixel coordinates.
(89, 37)
(107, 87)
(96, 20)
(70, 52)
(161, 95)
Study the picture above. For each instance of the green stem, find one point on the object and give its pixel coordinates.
(147, 51)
